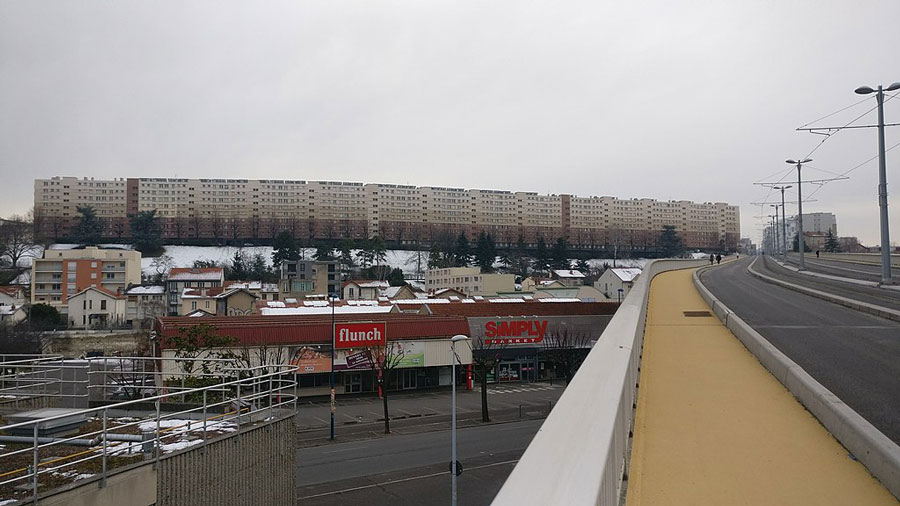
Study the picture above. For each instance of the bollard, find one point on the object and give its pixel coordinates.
(520, 411)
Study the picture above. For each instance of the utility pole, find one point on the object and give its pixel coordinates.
(882, 181)
(775, 229)
(801, 240)
(783, 220)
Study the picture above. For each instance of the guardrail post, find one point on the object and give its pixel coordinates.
(105, 450)
(158, 438)
(204, 417)
(34, 465)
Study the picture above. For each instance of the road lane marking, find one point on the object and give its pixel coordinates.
(401, 480)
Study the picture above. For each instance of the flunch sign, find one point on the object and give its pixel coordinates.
(359, 335)
(515, 332)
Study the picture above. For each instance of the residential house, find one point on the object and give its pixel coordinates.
(310, 279)
(568, 277)
(469, 280)
(12, 295)
(616, 282)
(12, 314)
(364, 290)
(219, 301)
(145, 302)
(61, 274)
(96, 307)
(181, 278)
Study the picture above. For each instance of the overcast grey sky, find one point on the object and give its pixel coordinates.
(661, 99)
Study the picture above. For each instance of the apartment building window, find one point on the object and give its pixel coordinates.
(90, 304)
(103, 305)
(93, 275)
(193, 305)
(110, 275)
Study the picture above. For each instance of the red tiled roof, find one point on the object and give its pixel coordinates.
(190, 270)
(12, 291)
(525, 308)
(103, 290)
(300, 329)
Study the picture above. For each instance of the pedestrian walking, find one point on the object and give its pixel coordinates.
(817, 253)
(712, 258)
(718, 259)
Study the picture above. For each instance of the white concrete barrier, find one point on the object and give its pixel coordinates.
(880, 455)
(579, 455)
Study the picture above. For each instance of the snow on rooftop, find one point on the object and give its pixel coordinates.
(315, 310)
(275, 303)
(568, 273)
(626, 274)
(559, 299)
(468, 301)
(203, 276)
(391, 291)
(362, 302)
(315, 303)
(505, 300)
(146, 290)
(421, 301)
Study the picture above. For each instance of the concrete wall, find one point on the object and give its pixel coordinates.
(134, 487)
(75, 343)
(257, 466)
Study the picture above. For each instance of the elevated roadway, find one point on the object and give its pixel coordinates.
(853, 354)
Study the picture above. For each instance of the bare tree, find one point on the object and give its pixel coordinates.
(567, 349)
(485, 357)
(266, 355)
(16, 239)
(384, 360)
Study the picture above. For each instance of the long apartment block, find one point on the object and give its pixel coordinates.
(258, 209)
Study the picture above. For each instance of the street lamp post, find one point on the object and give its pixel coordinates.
(882, 181)
(331, 376)
(783, 220)
(801, 241)
(453, 462)
(775, 230)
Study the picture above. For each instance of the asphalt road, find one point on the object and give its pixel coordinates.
(878, 296)
(834, 267)
(412, 469)
(855, 355)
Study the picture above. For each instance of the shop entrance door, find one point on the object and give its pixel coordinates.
(353, 383)
(510, 372)
(409, 377)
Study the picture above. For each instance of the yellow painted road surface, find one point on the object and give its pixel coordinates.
(713, 427)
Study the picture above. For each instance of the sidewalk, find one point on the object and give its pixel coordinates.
(412, 412)
(714, 427)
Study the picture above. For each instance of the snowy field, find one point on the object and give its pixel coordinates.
(185, 256)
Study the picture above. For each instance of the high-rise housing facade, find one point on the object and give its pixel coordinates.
(61, 274)
(251, 209)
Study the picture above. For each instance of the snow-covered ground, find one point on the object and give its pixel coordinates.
(408, 261)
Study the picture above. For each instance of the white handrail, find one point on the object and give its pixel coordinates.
(579, 455)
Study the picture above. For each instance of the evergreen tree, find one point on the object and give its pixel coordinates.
(346, 252)
(560, 254)
(239, 266)
(584, 268)
(284, 247)
(395, 278)
(522, 260)
(365, 254)
(796, 245)
(45, 317)
(670, 243)
(462, 254)
(324, 252)
(379, 250)
(485, 252)
(146, 232)
(259, 270)
(541, 256)
(436, 259)
(89, 227)
(832, 245)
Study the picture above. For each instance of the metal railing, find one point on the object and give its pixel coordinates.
(32, 463)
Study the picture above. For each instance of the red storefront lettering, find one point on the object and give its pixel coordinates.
(515, 329)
